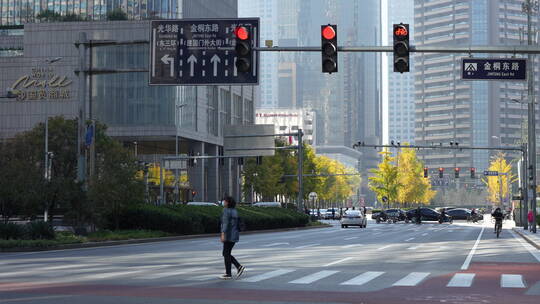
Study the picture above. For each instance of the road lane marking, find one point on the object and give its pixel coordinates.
(535, 253)
(275, 244)
(512, 281)
(467, 262)
(350, 246)
(111, 274)
(171, 273)
(409, 239)
(415, 247)
(461, 280)
(268, 275)
(424, 234)
(337, 262)
(68, 266)
(314, 277)
(384, 247)
(363, 278)
(306, 246)
(412, 279)
(350, 238)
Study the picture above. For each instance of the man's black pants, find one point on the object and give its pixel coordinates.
(227, 248)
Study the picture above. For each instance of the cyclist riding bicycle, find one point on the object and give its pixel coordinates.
(498, 216)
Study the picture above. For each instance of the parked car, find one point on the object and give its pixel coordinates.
(328, 213)
(267, 204)
(353, 218)
(459, 213)
(201, 204)
(427, 214)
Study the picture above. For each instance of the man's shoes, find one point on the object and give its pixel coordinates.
(225, 277)
(240, 271)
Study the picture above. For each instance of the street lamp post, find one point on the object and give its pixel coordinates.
(178, 123)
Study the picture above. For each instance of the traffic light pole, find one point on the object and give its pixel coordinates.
(517, 49)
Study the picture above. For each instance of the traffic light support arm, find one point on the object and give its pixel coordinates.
(518, 49)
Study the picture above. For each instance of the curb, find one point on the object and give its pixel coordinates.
(527, 238)
(150, 240)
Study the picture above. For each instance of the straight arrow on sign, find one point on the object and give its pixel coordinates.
(192, 60)
(215, 60)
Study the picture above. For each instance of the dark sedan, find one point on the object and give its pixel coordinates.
(427, 214)
(463, 214)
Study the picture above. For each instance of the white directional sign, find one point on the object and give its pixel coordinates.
(200, 52)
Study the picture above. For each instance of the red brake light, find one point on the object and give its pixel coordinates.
(241, 33)
(328, 32)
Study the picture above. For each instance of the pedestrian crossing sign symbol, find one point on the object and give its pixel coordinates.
(471, 67)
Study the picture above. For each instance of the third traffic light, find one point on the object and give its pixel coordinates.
(401, 47)
(473, 172)
(456, 172)
(425, 172)
(329, 48)
(441, 172)
(244, 50)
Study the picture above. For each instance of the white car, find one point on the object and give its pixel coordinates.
(353, 218)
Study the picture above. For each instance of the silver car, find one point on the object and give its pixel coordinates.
(353, 218)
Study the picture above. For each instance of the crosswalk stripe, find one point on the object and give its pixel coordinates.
(337, 262)
(68, 266)
(314, 277)
(111, 274)
(306, 246)
(268, 275)
(275, 244)
(461, 280)
(512, 281)
(363, 278)
(412, 279)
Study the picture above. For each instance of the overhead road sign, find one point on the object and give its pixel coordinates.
(249, 140)
(494, 69)
(491, 173)
(191, 52)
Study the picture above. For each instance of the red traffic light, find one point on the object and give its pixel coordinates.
(241, 33)
(328, 32)
(401, 31)
(457, 169)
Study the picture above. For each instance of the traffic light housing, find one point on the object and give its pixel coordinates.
(425, 172)
(531, 173)
(191, 161)
(473, 172)
(329, 48)
(401, 47)
(244, 49)
(240, 161)
(441, 172)
(193, 193)
(456, 172)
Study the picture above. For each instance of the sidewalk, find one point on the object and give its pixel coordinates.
(532, 238)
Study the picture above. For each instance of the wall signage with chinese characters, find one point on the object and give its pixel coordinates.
(43, 84)
(192, 52)
(494, 69)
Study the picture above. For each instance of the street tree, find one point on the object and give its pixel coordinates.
(414, 188)
(499, 186)
(385, 182)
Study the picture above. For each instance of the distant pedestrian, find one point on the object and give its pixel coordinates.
(418, 215)
(530, 218)
(333, 213)
(230, 234)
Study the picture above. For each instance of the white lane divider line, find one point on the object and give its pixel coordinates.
(409, 239)
(314, 277)
(337, 262)
(467, 262)
(275, 244)
(412, 279)
(384, 247)
(306, 246)
(512, 281)
(424, 234)
(363, 278)
(350, 246)
(350, 238)
(171, 273)
(461, 280)
(415, 247)
(111, 274)
(268, 275)
(535, 253)
(68, 266)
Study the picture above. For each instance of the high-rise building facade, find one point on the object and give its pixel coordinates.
(472, 113)
(400, 86)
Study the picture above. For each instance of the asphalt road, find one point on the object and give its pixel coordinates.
(384, 263)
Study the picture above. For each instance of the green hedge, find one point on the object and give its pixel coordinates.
(184, 219)
(37, 230)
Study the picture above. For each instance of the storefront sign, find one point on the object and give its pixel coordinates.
(43, 84)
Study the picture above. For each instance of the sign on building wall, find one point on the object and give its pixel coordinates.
(190, 52)
(43, 83)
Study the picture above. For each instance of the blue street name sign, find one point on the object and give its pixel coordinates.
(491, 173)
(494, 69)
(200, 52)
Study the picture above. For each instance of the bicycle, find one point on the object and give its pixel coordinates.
(498, 227)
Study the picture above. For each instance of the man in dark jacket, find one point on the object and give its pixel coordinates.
(230, 234)
(498, 216)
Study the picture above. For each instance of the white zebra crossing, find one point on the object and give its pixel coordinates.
(512, 281)
(268, 275)
(461, 280)
(314, 277)
(363, 278)
(412, 279)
